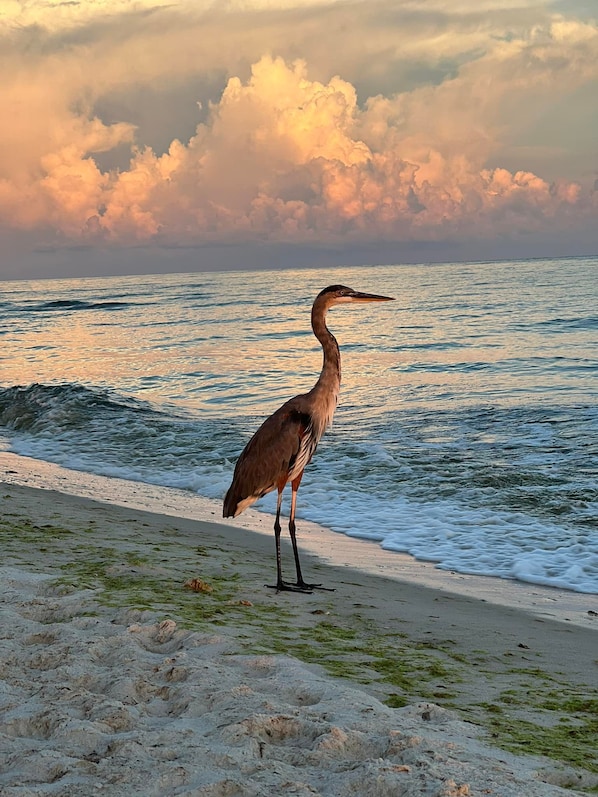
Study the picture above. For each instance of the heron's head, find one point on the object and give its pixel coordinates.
(340, 294)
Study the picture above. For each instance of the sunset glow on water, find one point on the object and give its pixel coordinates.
(466, 430)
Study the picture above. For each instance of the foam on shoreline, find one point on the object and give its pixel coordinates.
(337, 550)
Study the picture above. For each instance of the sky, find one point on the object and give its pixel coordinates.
(184, 135)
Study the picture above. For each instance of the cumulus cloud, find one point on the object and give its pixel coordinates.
(288, 150)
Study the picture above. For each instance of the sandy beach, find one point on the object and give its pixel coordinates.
(141, 653)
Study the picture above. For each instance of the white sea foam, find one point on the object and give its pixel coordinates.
(338, 549)
(479, 541)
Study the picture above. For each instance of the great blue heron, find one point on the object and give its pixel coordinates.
(284, 444)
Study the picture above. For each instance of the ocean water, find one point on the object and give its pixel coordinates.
(466, 433)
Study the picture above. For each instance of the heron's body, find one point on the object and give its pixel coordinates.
(283, 446)
(276, 455)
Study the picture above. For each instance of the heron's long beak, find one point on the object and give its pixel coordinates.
(357, 296)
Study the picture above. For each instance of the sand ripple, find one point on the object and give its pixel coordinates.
(126, 705)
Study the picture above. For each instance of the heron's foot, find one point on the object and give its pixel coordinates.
(308, 587)
(282, 586)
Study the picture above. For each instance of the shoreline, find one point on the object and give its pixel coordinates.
(326, 545)
(525, 679)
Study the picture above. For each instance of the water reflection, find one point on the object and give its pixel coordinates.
(233, 343)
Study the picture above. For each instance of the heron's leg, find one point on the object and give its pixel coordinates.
(280, 585)
(292, 531)
(277, 530)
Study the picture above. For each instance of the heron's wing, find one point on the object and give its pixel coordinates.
(279, 450)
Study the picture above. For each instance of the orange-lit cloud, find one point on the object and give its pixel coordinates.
(287, 151)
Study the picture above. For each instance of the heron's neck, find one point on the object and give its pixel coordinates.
(330, 377)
